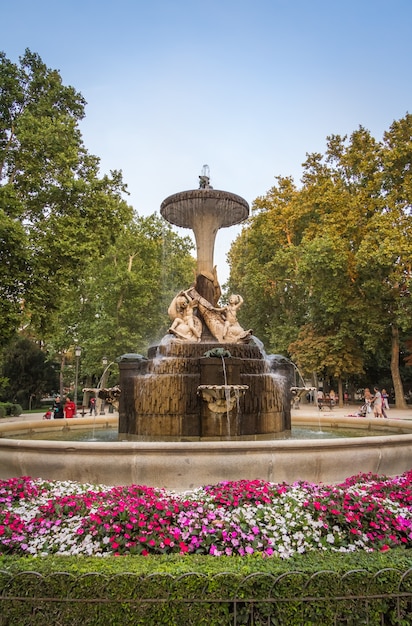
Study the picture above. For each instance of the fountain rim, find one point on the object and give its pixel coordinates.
(187, 465)
(168, 207)
(271, 444)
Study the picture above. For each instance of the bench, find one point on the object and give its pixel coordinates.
(327, 403)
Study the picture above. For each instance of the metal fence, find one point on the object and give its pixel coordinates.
(259, 599)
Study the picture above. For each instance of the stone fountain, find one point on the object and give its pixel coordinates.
(208, 377)
(201, 407)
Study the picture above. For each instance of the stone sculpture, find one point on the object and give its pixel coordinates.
(221, 322)
(185, 325)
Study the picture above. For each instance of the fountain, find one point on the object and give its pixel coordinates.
(208, 378)
(203, 404)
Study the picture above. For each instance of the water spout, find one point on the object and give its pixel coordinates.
(221, 398)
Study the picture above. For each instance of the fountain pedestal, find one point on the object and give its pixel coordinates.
(160, 399)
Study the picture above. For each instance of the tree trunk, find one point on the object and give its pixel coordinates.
(340, 392)
(61, 374)
(396, 377)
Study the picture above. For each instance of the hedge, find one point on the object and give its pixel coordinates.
(10, 409)
(312, 589)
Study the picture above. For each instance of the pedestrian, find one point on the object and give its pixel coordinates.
(377, 403)
(58, 408)
(332, 396)
(69, 408)
(368, 397)
(92, 405)
(385, 399)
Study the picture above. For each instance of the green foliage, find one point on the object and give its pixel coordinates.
(29, 373)
(14, 268)
(56, 213)
(78, 266)
(121, 303)
(312, 589)
(326, 270)
(10, 408)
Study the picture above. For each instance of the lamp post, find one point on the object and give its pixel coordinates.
(78, 353)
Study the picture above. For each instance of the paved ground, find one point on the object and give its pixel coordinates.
(39, 416)
(309, 410)
(312, 410)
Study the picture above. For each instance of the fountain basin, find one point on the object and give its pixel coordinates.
(204, 211)
(186, 465)
(221, 398)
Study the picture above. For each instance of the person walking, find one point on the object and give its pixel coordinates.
(385, 399)
(377, 403)
(69, 408)
(92, 405)
(58, 409)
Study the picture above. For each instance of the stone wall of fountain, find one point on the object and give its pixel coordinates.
(161, 399)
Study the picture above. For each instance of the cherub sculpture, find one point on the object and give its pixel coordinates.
(186, 325)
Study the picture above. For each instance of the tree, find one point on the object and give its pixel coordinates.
(58, 214)
(29, 373)
(120, 304)
(341, 260)
(14, 270)
(264, 267)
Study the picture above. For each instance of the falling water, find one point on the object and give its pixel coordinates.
(94, 418)
(227, 396)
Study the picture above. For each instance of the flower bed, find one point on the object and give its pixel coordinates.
(366, 512)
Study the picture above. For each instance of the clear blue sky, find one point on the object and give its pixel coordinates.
(247, 86)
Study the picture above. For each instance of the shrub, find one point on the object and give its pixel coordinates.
(10, 409)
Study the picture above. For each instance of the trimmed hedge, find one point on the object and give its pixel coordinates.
(10, 409)
(343, 588)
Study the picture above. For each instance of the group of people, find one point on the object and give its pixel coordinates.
(378, 402)
(329, 398)
(60, 410)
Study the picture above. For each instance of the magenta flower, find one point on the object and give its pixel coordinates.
(231, 518)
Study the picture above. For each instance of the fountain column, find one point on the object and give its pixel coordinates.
(205, 210)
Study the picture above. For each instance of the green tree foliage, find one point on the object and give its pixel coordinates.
(78, 267)
(264, 267)
(330, 263)
(121, 303)
(14, 271)
(56, 213)
(29, 373)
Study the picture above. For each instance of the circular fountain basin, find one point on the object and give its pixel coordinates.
(186, 465)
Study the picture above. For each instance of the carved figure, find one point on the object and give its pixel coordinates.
(203, 182)
(230, 315)
(185, 326)
(222, 321)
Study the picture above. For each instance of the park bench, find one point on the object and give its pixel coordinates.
(326, 403)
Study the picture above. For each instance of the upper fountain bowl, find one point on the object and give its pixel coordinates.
(186, 207)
